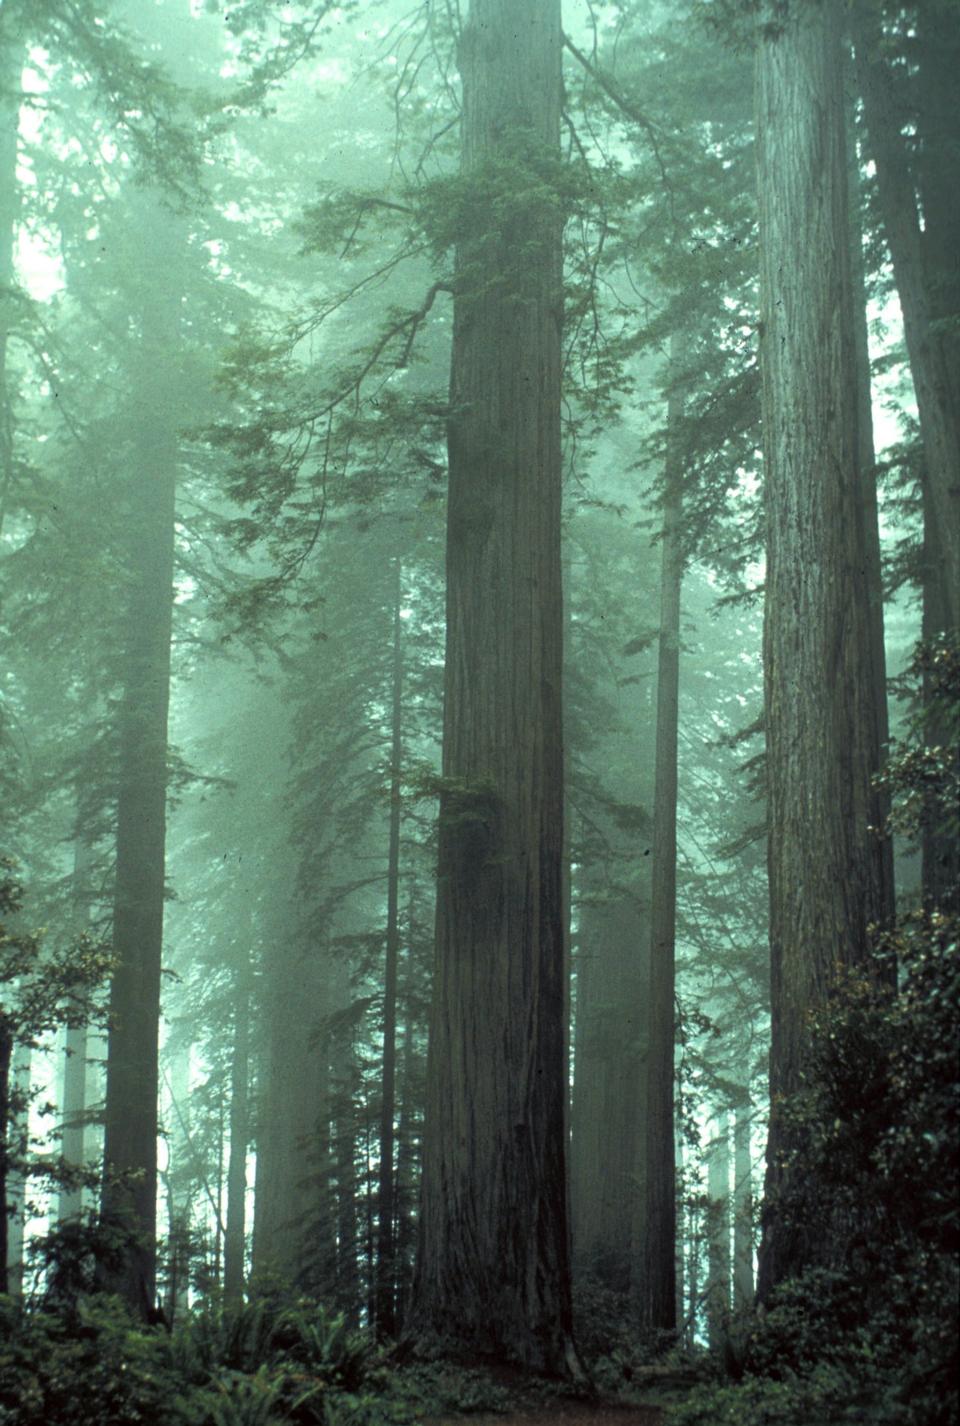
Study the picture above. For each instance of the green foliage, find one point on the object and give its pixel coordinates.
(871, 1180)
(923, 771)
(92, 1368)
(267, 1330)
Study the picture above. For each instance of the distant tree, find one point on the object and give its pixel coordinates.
(492, 1265)
(132, 1089)
(656, 1275)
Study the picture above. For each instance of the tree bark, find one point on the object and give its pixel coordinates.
(386, 1288)
(129, 1201)
(819, 688)
(656, 1260)
(493, 1263)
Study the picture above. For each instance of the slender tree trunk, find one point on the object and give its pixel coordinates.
(407, 1134)
(74, 1111)
(236, 1237)
(819, 686)
(493, 1264)
(74, 1091)
(718, 1231)
(656, 1260)
(182, 1170)
(386, 1307)
(924, 259)
(347, 1247)
(16, 1175)
(742, 1206)
(6, 1057)
(11, 59)
(129, 1199)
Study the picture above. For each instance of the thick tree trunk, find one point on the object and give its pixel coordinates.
(819, 687)
(129, 1199)
(493, 1264)
(924, 258)
(655, 1291)
(386, 1287)
(234, 1249)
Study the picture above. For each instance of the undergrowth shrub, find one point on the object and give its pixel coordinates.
(870, 1334)
(92, 1367)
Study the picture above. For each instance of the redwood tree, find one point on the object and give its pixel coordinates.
(129, 1201)
(493, 1264)
(826, 885)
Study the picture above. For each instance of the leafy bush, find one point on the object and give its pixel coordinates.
(870, 1335)
(92, 1368)
(270, 1331)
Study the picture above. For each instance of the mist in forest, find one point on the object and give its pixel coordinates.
(479, 733)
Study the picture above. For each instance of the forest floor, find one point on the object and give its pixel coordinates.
(570, 1412)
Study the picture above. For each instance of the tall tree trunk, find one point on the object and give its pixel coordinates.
(129, 1200)
(655, 1292)
(386, 1286)
(234, 1248)
(924, 258)
(819, 688)
(493, 1263)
